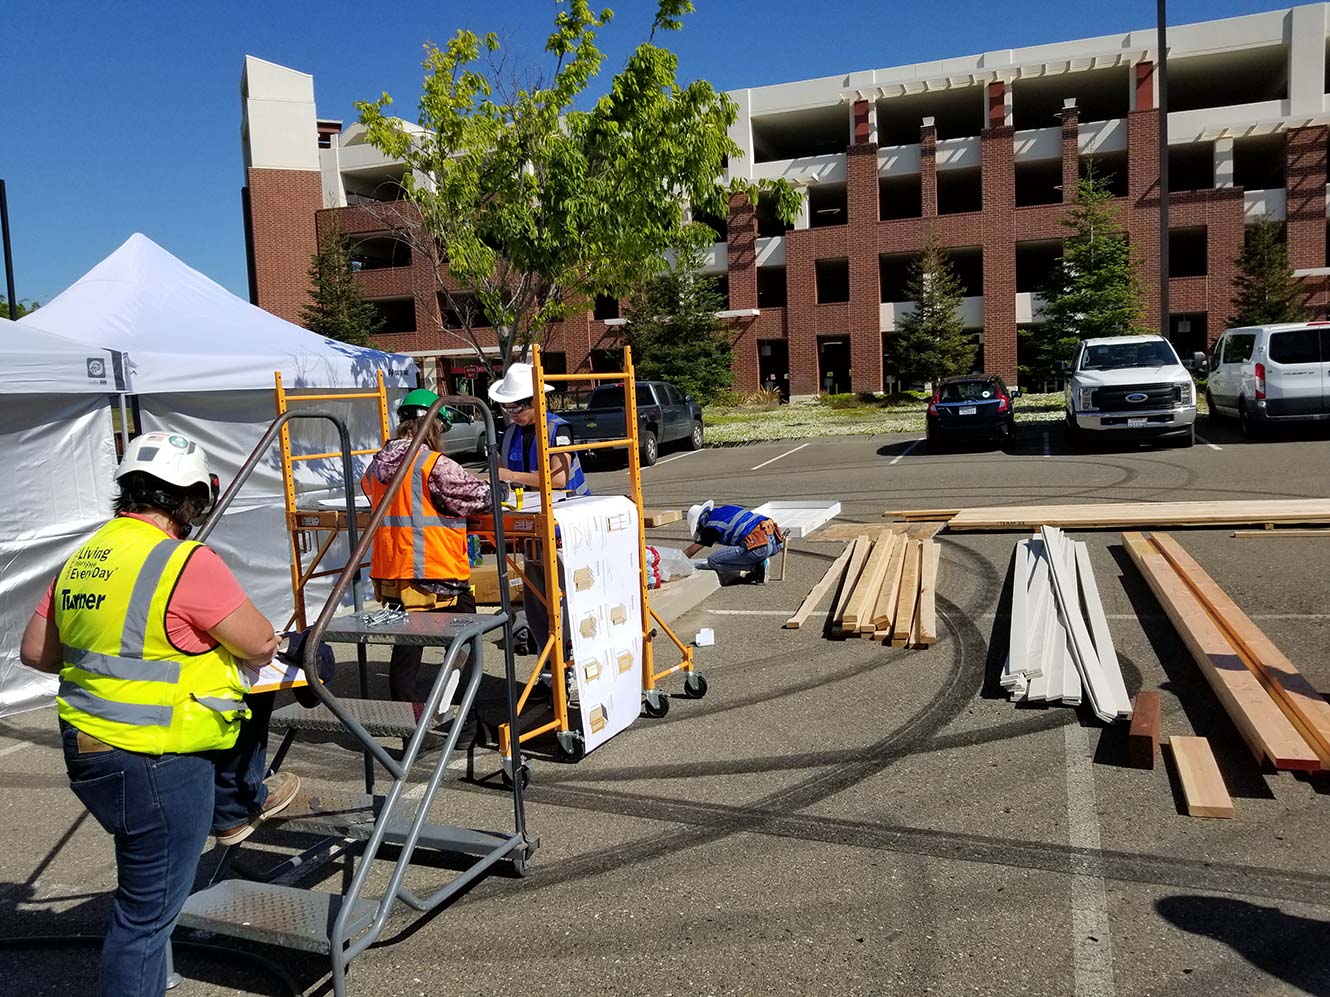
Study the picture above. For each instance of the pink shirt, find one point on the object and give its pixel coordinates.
(206, 594)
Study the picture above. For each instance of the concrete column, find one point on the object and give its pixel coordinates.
(1306, 59)
(1223, 163)
(741, 134)
(928, 167)
(805, 216)
(1071, 149)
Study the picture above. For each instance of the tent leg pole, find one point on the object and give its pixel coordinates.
(124, 424)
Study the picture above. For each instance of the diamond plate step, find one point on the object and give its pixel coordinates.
(272, 915)
(381, 717)
(351, 815)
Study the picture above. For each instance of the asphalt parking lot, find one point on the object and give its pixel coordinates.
(836, 817)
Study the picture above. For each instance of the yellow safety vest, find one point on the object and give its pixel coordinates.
(122, 680)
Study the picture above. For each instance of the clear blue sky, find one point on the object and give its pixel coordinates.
(125, 117)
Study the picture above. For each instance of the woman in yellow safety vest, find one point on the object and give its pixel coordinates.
(148, 631)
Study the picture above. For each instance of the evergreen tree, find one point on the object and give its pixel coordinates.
(674, 332)
(1267, 291)
(1094, 289)
(338, 308)
(931, 342)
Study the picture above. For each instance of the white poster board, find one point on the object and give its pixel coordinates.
(603, 595)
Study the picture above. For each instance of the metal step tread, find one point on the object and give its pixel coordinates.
(272, 915)
(352, 815)
(381, 717)
(420, 629)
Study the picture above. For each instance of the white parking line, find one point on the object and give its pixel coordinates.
(1048, 445)
(778, 457)
(686, 453)
(1212, 446)
(903, 452)
(1092, 945)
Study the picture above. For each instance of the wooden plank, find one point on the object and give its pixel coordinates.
(921, 515)
(661, 517)
(1202, 785)
(931, 554)
(1143, 737)
(815, 595)
(1285, 532)
(907, 599)
(884, 614)
(1268, 733)
(1143, 514)
(1304, 706)
(864, 605)
(858, 552)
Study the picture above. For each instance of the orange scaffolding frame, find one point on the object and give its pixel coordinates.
(539, 526)
(303, 525)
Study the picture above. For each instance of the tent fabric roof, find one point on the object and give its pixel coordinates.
(36, 362)
(182, 332)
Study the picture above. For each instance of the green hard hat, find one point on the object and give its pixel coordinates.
(418, 402)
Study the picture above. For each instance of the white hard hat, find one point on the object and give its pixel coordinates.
(171, 458)
(518, 382)
(697, 517)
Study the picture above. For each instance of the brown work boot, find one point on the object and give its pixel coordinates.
(282, 789)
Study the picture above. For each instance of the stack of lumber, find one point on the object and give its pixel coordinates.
(1280, 714)
(886, 589)
(1120, 515)
(1060, 648)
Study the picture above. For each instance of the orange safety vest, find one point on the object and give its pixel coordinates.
(414, 540)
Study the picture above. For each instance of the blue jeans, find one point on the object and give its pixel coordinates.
(731, 560)
(239, 791)
(158, 808)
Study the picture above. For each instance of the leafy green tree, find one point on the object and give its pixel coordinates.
(931, 341)
(23, 307)
(1094, 289)
(534, 201)
(674, 332)
(338, 308)
(1266, 290)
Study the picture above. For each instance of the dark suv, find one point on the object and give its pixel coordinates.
(978, 406)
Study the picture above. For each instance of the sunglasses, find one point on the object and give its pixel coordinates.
(517, 406)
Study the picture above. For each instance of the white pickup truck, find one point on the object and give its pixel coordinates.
(1130, 387)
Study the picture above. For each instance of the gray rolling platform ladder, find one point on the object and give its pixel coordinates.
(341, 926)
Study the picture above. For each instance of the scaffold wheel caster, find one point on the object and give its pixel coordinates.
(508, 777)
(695, 685)
(656, 706)
(521, 863)
(572, 746)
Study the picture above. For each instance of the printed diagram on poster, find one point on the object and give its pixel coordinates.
(601, 556)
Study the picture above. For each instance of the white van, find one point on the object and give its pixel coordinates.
(1266, 375)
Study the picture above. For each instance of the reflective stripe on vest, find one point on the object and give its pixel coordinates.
(516, 460)
(733, 523)
(121, 679)
(437, 543)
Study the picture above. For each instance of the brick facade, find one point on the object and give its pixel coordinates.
(279, 232)
(284, 216)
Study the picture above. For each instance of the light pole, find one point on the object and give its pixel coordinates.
(1161, 69)
(9, 259)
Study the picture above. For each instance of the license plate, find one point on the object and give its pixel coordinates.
(969, 410)
(1133, 423)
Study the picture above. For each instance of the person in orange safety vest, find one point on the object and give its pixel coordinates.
(419, 562)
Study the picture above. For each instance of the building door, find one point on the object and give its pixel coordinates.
(833, 362)
(1188, 334)
(773, 366)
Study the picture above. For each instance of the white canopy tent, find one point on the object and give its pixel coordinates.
(201, 363)
(57, 487)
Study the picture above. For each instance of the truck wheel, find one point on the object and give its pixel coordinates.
(1188, 439)
(1245, 423)
(650, 449)
(695, 441)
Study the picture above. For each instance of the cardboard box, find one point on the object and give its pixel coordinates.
(485, 581)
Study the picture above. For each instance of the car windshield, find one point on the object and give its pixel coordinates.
(968, 391)
(1123, 356)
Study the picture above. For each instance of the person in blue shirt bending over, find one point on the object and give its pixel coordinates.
(744, 540)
